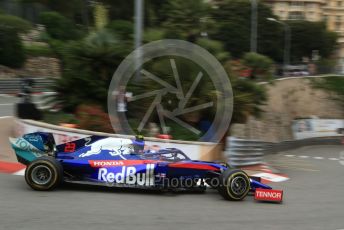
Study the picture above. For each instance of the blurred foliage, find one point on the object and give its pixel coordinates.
(72, 9)
(260, 65)
(38, 50)
(183, 18)
(153, 34)
(90, 58)
(11, 48)
(92, 117)
(59, 27)
(248, 97)
(332, 84)
(233, 27)
(309, 36)
(57, 118)
(101, 16)
(326, 65)
(88, 67)
(122, 28)
(89, 63)
(215, 48)
(18, 24)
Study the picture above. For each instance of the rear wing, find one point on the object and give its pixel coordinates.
(33, 145)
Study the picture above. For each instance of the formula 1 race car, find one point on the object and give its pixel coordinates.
(119, 162)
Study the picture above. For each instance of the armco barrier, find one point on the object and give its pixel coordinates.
(195, 150)
(13, 85)
(241, 152)
(290, 145)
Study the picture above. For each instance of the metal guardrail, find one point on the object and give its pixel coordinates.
(241, 152)
(13, 86)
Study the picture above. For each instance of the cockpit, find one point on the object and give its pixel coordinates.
(168, 154)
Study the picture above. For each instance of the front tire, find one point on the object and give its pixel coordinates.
(234, 184)
(44, 173)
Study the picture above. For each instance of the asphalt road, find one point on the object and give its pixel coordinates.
(7, 105)
(313, 200)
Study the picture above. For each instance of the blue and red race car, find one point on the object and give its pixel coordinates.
(119, 162)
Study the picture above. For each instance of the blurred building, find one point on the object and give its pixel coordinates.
(330, 11)
(310, 10)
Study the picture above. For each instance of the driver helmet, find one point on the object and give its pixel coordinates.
(139, 144)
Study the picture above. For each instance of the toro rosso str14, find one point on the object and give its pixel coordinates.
(120, 162)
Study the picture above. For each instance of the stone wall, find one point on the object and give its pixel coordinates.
(288, 99)
(34, 67)
(42, 67)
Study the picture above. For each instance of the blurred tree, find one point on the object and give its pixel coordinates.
(18, 24)
(260, 65)
(153, 34)
(72, 9)
(101, 16)
(248, 97)
(215, 48)
(333, 85)
(122, 28)
(183, 19)
(120, 9)
(88, 66)
(59, 27)
(11, 48)
(310, 36)
(233, 26)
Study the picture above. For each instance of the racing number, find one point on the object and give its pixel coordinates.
(69, 147)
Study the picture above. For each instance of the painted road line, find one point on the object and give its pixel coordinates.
(333, 159)
(304, 157)
(318, 158)
(6, 104)
(7, 95)
(271, 177)
(294, 164)
(4, 117)
(310, 157)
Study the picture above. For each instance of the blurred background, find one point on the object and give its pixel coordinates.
(285, 62)
(61, 56)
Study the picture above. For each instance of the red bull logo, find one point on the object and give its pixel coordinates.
(128, 175)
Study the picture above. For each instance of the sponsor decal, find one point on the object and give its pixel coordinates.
(268, 195)
(22, 144)
(70, 147)
(115, 146)
(128, 175)
(114, 163)
(105, 163)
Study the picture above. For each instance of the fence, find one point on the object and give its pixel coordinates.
(13, 86)
(241, 152)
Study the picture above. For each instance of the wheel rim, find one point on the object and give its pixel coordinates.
(41, 175)
(239, 185)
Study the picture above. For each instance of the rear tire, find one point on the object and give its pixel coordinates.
(234, 184)
(44, 173)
